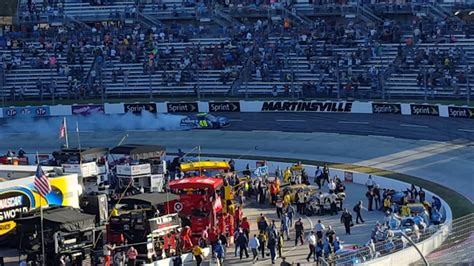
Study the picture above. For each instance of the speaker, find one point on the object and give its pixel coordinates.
(96, 205)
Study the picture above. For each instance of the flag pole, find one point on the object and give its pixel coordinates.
(65, 133)
(41, 221)
(78, 138)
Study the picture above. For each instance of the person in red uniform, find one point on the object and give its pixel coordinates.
(237, 217)
(221, 224)
(245, 225)
(186, 237)
(229, 221)
(273, 193)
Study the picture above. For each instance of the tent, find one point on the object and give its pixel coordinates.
(57, 219)
(140, 152)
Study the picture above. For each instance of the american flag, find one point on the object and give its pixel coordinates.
(42, 185)
(62, 130)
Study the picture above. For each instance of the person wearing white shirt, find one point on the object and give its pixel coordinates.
(332, 186)
(370, 183)
(319, 228)
(254, 244)
(312, 245)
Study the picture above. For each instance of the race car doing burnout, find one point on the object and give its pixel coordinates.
(205, 120)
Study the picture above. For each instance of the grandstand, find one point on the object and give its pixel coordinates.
(106, 48)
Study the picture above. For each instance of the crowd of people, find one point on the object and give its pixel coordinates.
(264, 48)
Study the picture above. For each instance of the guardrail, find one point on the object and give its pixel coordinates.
(243, 106)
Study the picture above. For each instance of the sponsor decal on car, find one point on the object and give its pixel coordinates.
(386, 108)
(224, 107)
(424, 109)
(307, 106)
(463, 112)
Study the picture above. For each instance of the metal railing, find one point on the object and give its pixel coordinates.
(382, 248)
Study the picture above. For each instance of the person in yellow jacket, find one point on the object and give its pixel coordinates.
(287, 175)
(405, 211)
(198, 254)
(287, 199)
(387, 202)
(277, 185)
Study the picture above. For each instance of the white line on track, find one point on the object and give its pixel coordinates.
(466, 130)
(353, 122)
(411, 125)
(290, 120)
(141, 130)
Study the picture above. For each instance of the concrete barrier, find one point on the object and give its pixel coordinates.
(188, 257)
(277, 106)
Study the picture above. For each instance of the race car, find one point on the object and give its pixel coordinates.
(205, 120)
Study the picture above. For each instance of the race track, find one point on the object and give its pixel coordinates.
(438, 149)
(398, 126)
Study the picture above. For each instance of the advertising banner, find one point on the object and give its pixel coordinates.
(348, 176)
(424, 109)
(17, 200)
(29, 111)
(138, 108)
(306, 106)
(224, 107)
(182, 107)
(88, 109)
(462, 112)
(386, 108)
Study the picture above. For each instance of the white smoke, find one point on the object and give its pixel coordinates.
(50, 126)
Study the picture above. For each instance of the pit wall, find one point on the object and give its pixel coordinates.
(188, 257)
(243, 106)
(403, 257)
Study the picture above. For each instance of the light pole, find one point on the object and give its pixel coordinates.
(425, 83)
(468, 93)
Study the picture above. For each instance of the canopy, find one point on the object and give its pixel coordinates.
(138, 151)
(150, 198)
(59, 219)
(65, 154)
(200, 182)
(196, 166)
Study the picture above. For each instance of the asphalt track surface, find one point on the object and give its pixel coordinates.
(435, 148)
(398, 126)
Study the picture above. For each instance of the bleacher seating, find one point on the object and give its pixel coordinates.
(397, 84)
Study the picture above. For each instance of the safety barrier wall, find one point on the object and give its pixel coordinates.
(403, 257)
(186, 258)
(244, 106)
